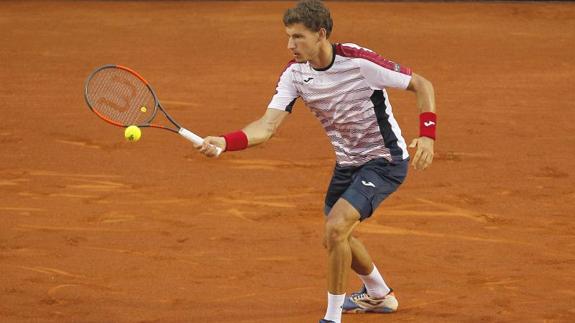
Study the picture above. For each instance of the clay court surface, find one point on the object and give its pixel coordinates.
(96, 229)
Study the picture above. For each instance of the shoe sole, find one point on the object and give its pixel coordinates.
(385, 310)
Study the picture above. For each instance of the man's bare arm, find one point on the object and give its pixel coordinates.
(257, 132)
(425, 96)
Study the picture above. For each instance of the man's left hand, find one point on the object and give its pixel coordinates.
(424, 154)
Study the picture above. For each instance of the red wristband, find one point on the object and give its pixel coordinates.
(236, 140)
(427, 123)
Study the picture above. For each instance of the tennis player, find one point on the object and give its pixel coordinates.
(344, 87)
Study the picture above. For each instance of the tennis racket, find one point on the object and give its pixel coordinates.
(122, 97)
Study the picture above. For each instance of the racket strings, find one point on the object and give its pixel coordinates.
(121, 97)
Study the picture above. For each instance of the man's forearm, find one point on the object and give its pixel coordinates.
(424, 93)
(259, 131)
(425, 96)
(256, 132)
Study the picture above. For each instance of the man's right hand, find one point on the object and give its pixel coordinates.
(208, 148)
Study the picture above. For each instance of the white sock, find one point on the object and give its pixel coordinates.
(334, 304)
(374, 283)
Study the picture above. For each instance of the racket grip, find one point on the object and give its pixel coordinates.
(195, 139)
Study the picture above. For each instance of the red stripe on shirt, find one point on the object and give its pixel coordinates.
(352, 52)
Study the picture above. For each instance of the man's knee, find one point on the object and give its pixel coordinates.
(336, 232)
(332, 236)
(339, 224)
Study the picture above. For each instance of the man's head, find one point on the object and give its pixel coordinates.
(308, 25)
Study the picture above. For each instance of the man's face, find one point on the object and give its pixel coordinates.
(302, 42)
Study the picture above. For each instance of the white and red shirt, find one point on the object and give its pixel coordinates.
(349, 99)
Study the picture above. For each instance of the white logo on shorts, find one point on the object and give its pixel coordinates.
(429, 123)
(368, 183)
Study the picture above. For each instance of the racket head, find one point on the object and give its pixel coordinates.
(120, 96)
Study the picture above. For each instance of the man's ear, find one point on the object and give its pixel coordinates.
(322, 34)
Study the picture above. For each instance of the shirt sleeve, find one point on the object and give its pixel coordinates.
(286, 93)
(381, 73)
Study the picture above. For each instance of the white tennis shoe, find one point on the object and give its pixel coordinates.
(361, 302)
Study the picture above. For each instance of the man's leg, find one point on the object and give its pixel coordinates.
(361, 261)
(340, 222)
(365, 268)
(376, 296)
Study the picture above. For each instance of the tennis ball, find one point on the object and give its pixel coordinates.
(132, 133)
(143, 109)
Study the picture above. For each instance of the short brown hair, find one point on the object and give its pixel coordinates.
(312, 14)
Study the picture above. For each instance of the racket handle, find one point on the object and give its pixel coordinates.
(195, 139)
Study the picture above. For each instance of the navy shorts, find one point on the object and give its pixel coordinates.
(366, 186)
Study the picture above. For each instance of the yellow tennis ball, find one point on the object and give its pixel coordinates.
(132, 133)
(143, 109)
